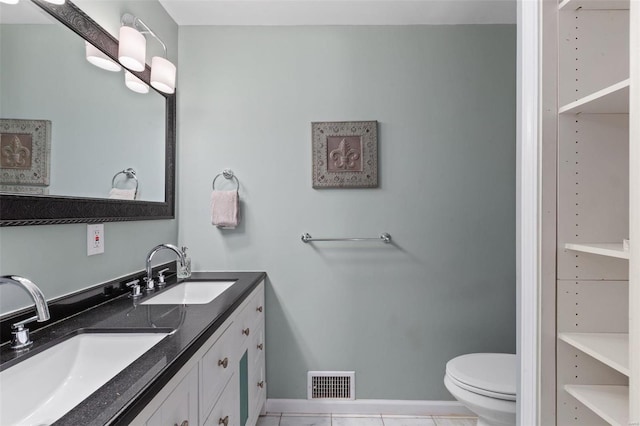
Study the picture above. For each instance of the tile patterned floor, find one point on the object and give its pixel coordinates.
(276, 419)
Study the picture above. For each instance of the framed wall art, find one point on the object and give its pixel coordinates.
(25, 148)
(345, 154)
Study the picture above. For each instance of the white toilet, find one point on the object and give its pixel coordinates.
(486, 385)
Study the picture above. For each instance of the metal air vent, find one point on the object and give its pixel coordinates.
(333, 385)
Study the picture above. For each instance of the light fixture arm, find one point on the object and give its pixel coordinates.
(137, 23)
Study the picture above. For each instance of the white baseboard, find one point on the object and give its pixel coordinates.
(368, 406)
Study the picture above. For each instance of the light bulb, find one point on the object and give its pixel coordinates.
(163, 74)
(132, 49)
(99, 59)
(134, 83)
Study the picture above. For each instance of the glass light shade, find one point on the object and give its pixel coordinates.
(9, 1)
(134, 83)
(99, 59)
(132, 49)
(163, 74)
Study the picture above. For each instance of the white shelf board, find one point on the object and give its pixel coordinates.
(611, 349)
(608, 401)
(594, 5)
(603, 249)
(610, 100)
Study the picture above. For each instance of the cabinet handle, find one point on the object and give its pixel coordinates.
(224, 421)
(259, 309)
(260, 346)
(223, 362)
(261, 384)
(246, 331)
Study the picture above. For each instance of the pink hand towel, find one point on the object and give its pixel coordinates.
(224, 209)
(122, 194)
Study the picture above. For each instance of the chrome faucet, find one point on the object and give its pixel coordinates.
(20, 335)
(149, 277)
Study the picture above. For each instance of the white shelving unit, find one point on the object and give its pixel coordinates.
(611, 403)
(603, 249)
(594, 4)
(613, 99)
(611, 349)
(595, 369)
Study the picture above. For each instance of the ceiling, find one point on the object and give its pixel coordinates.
(340, 12)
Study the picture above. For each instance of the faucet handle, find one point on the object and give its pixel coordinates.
(150, 283)
(20, 334)
(161, 277)
(135, 288)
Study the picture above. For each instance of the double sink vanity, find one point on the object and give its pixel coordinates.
(189, 354)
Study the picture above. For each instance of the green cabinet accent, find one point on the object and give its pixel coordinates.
(244, 389)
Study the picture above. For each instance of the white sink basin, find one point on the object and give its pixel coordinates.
(190, 293)
(43, 388)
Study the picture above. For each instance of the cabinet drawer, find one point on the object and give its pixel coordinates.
(227, 410)
(181, 405)
(217, 366)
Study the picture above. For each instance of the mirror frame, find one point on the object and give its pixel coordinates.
(21, 210)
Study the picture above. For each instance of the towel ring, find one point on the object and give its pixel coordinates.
(130, 173)
(228, 174)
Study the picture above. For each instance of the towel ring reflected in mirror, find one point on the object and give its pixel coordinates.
(227, 174)
(131, 174)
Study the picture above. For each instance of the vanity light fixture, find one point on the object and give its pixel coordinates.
(134, 83)
(99, 59)
(9, 1)
(132, 54)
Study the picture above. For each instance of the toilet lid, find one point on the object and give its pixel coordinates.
(487, 374)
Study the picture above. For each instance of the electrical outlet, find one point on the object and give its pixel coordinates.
(95, 239)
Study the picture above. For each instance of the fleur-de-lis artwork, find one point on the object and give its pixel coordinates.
(15, 154)
(25, 149)
(345, 154)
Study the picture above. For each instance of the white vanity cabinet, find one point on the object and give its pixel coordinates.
(224, 382)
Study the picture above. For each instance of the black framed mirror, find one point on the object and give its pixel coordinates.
(20, 210)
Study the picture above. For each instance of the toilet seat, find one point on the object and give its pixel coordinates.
(489, 374)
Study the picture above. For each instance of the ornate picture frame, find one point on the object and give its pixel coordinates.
(25, 152)
(345, 154)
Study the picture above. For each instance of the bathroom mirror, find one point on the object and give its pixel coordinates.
(85, 207)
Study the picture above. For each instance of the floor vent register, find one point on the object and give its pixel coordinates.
(331, 385)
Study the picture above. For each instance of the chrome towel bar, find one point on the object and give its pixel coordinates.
(384, 237)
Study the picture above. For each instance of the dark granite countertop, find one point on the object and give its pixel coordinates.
(124, 396)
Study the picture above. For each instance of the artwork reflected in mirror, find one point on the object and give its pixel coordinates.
(97, 126)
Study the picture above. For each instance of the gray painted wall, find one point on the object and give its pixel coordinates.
(445, 100)
(55, 256)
